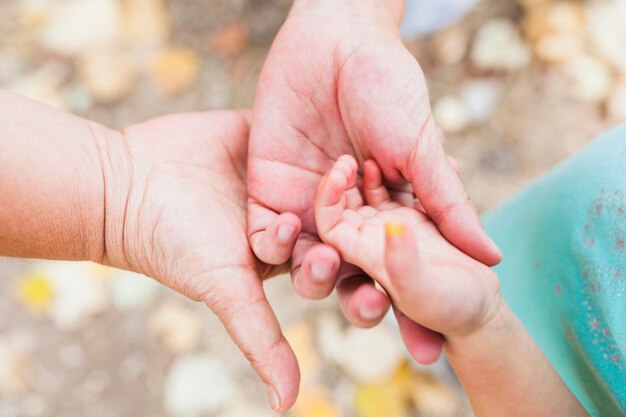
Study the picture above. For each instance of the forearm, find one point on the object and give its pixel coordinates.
(391, 10)
(506, 374)
(51, 182)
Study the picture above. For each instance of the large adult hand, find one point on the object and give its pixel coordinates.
(338, 80)
(179, 215)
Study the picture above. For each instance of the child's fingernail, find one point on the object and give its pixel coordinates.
(285, 233)
(394, 229)
(370, 313)
(320, 271)
(273, 397)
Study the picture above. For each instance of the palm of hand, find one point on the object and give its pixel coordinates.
(317, 106)
(451, 295)
(186, 226)
(187, 206)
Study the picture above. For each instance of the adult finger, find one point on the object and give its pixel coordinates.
(314, 268)
(441, 193)
(240, 303)
(272, 236)
(361, 302)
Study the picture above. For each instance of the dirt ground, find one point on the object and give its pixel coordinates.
(79, 340)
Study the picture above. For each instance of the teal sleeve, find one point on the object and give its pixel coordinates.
(564, 269)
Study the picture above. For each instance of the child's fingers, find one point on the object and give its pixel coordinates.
(361, 302)
(274, 243)
(423, 344)
(403, 265)
(331, 198)
(375, 192)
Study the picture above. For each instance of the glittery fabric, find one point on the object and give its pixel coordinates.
(564, 269)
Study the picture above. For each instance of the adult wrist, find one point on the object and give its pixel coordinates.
(388, 12)
(116, 171)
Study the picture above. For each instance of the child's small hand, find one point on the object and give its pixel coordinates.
(429, 280)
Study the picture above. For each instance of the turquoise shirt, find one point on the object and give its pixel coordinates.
(564, 269)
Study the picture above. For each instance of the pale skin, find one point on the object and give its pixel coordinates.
(166, 198)
(338, 80)
(436, 285)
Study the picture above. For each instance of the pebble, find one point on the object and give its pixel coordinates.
(107, 73)
(432, 398)
(557, 30)
(451, 46)
(15, 364)
(480, 98)
(450, 114)
(590, 80)
(44, 85)
(174, 70)
(197, 385)
(249, 411)
(75, 26)
(131, 291)
(379, 348)
(499, 47)
(607, 30)
(146, 22)
(78, 294)
(177, 326)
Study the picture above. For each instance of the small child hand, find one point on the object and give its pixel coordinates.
(429, 280)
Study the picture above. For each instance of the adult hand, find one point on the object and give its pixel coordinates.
(176, 210)
(338, 80)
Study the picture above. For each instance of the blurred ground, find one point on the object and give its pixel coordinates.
(516, 86)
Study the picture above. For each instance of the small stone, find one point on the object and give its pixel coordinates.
(450, 114)
(608, 31)
(616, 106)
(432, 398)
(557, 30)
(15, 364)
(146, 22)
(498, 47)
(33, 406)
(131, 291)
(177, 326)
(230, 39)
(44, 85)
(480, 99)
(590, 79)
(174, 70)
(197, 385)
(78, 294)
(79, 25)
(378, 348)
(301, 337)
(315, 403)
(451, 46)
(107, 73)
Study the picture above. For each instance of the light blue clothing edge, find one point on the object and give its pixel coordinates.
(564, 269)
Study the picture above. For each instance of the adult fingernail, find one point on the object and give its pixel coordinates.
(273, 397)
(285, 233)
(394, 229)
(370, 314)
(320, 271)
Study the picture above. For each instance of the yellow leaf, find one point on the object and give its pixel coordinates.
(35, 291)
(315, 404)
(380, 400)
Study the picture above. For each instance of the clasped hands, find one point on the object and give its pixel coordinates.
(211, 204)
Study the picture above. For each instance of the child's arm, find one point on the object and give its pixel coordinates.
(51, 182)
(436, 285)
(502, 369)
